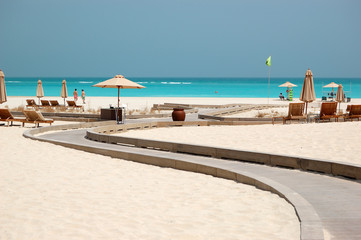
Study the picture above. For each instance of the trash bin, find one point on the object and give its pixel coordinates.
(110, 114)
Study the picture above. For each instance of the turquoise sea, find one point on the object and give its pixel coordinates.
(182, 87)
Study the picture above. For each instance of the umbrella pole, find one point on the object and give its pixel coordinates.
(306, 107)
(288, 93)
(117, 118)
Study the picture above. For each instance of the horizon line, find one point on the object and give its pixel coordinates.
(162, 77)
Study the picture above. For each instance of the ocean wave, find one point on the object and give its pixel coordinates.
(141, 82)
(176, 83)
(84, 82)
(13, 81)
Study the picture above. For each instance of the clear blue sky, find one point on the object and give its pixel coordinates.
(180, 38)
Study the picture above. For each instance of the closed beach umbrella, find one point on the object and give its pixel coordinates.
(2, 88)
(340, 97)
(118, 82)
(308, 89)
(39, 90)
(64, 91)
(288, 85)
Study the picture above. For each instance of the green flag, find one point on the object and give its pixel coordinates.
(268, 61)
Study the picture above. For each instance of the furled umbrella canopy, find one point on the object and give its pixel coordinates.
(340, 96)
(2, 88)
(39, 90)
(118, 82)
(308, 89)
(64, 91)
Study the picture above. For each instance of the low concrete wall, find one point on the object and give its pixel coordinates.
(204, 116)
(218, 115)
(101, 134)
(160, 115)
(189, 106)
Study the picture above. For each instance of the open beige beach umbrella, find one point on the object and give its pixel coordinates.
(119, 82)
(288, 85)
(39, 90)
(340, 96)
(331, 85)
(308, 89)
(64, 91)
(2, 88)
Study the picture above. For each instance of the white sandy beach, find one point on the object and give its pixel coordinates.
(140, 103)
(52, 192)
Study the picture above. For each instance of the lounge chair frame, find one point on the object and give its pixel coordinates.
(328, 111)
(295, 112)
(354, 113)
(45, 103)
(54, 103)
(31, 103)
(35, 117)
(6, 116)
(73, 104)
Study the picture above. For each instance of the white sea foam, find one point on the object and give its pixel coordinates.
(176, 82)
(84, 82)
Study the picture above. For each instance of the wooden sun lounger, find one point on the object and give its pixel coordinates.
(73, 104)
(295, 112)
(45, 103)
(354, 112)
(54, 103)
(328, 111)
(35, 117)
(348, 108)
(6, 116)
(31, 103)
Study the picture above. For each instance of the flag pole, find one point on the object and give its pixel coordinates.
(269, 81)
(268, 63)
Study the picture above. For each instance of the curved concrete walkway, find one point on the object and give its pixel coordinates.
(322, 202)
